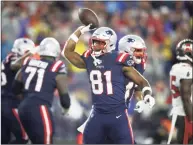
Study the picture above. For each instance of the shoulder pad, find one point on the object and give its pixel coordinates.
(87, 53)
(62, 69)
(182, 70)
(125, 58)
(57, 66)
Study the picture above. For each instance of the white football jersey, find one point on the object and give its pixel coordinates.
(179, 71)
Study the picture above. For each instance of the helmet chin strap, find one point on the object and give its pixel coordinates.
(189, 58)
(184, 58)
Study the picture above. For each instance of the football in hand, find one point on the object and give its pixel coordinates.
(87, 16)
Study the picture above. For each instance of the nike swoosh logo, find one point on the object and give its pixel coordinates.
(118, 116)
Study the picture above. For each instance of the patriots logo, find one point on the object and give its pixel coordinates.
(109, 32)
(130, 62)
(130, 40)
(97, 62)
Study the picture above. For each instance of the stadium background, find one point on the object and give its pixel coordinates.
(160, 24)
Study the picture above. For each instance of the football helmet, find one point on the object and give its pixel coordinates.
(103, 40)
(135, 46)
(49, 47)
(184, 50)
(22, 45)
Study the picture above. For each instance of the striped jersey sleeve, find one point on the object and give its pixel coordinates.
(125, 59)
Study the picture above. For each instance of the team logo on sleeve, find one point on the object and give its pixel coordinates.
(130, 62)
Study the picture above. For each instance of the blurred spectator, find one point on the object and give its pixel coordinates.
(6, 46)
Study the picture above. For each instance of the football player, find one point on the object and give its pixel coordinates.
(9, 103)
(180, 85)
(135, 46)
(108, 72)
(38, 79)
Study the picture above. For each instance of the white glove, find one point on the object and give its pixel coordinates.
(148, 99)
(84, 29)
(140, 105)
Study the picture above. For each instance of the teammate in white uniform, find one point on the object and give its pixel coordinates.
(180, 85)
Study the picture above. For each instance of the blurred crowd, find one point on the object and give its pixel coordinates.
(161, 24)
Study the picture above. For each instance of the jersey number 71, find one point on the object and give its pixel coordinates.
(40, 75)
(97, 83)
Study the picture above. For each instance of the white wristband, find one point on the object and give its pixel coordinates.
(74, 38)
(146, 89)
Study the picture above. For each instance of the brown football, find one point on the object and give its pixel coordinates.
(87, 16)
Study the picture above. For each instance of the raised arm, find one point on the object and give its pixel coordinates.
(185, 91)
(70, 45)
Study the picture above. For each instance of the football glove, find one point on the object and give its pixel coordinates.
(84, 29)
(149, 100)
(140, 105)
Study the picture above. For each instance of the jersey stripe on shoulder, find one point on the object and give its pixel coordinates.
(122, 57)
(56, 66)
(26, 60)
(86, 53)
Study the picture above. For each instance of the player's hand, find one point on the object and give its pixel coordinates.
(148, 99)
(84, 29)
(140, 105)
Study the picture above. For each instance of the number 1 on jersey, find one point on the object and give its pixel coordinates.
(97, 83)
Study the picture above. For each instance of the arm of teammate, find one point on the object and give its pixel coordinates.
(137, 78)
(17, 86)
(185, 91)
(17, 64)
(69, 47)
(61, 83)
